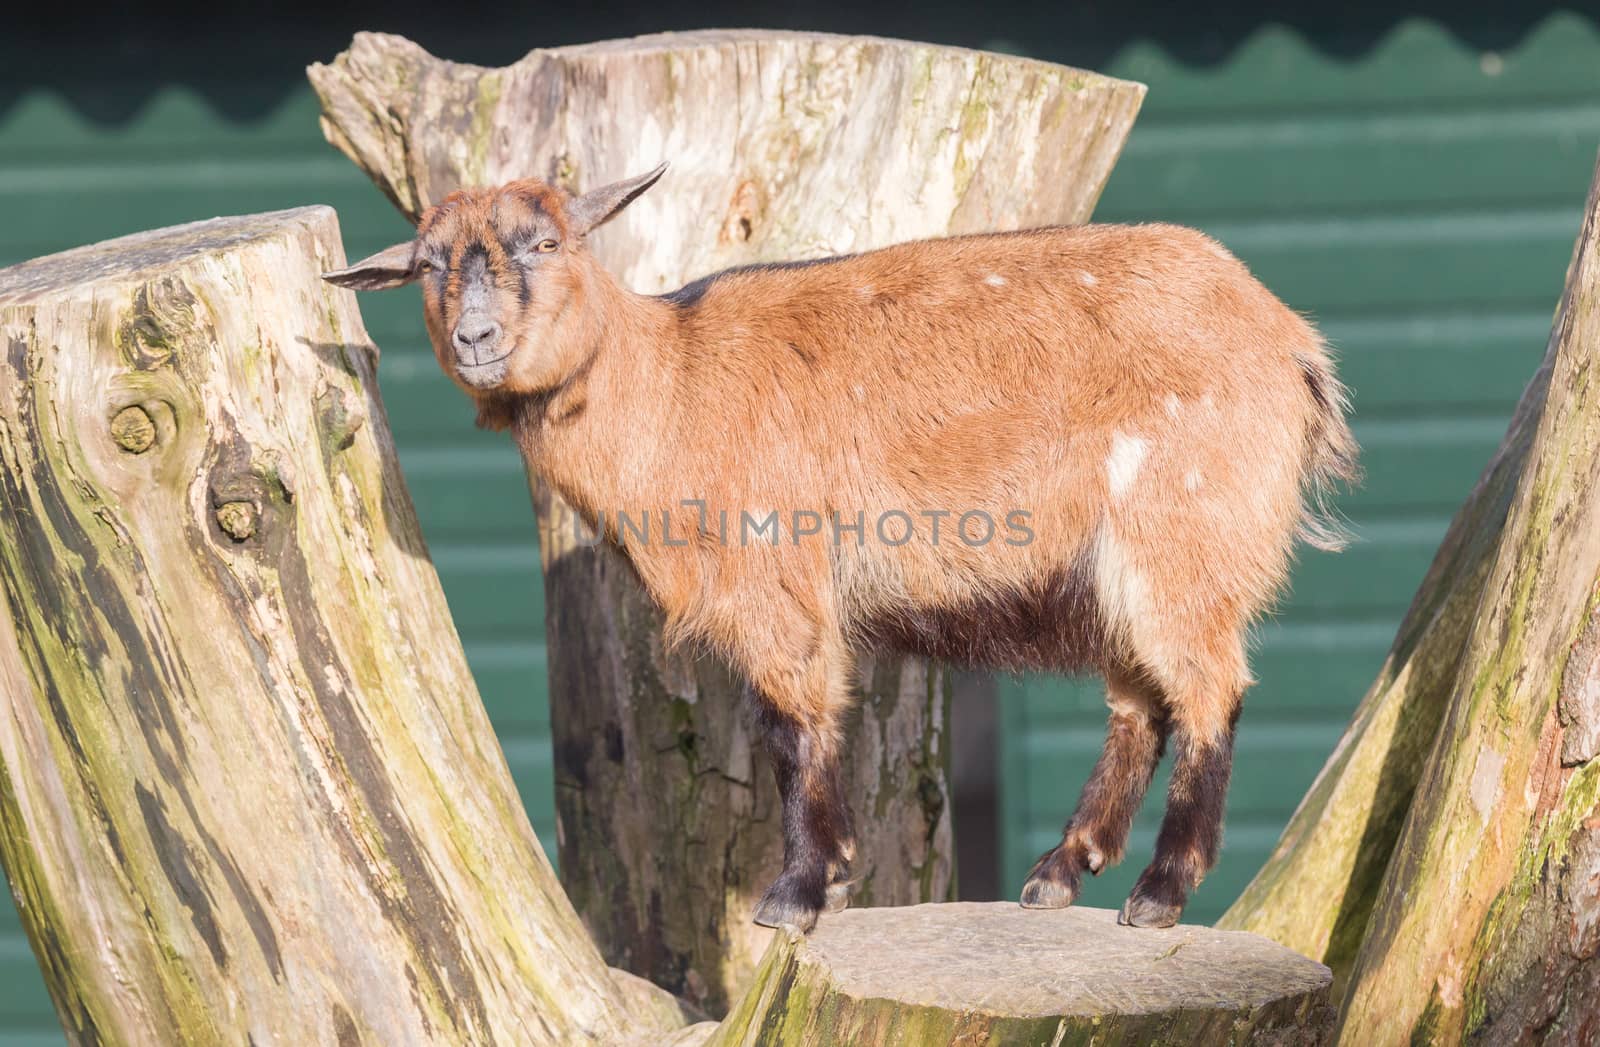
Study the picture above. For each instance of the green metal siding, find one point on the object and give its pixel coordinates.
(1420, 203)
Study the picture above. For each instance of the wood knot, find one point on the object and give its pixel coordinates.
(251, 494)
(238, 519)
(340, 418)
(133, 429)
(740, 225)
(164, 313)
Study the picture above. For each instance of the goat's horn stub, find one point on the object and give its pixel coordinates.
(598, 206)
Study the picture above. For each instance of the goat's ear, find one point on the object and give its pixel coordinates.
(598, 206)
(390, 267)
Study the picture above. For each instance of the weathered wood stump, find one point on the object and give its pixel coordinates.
(998, 974)
(247, 788)
(783, 146)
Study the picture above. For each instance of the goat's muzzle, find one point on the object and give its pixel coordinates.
(480, 351)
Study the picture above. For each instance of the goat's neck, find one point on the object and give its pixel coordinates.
(595, 437)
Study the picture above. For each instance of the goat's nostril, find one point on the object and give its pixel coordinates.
(476, 334)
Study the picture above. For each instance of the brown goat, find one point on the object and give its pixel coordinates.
(1144, 417)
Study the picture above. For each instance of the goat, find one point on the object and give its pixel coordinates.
(1153, 425)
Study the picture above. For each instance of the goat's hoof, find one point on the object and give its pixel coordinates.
(1143, 910)
(1041, 892)
(837, 898)
(1053, 883)
(788, 903)
(778, 913)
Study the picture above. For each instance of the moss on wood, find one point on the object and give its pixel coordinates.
(247, 788)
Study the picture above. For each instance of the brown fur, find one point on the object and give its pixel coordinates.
(1161, 415)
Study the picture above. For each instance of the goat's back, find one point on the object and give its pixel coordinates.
(1132, 389)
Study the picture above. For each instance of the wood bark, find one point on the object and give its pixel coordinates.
(248, 792)
(1486, 926)
(784, 146)
(994, 973)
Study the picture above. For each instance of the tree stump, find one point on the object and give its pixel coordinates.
(783, 146)
(994, 973)
(249, 790)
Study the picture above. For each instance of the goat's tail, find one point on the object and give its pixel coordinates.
(1330, 453)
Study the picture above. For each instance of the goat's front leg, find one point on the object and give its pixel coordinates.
(1098, 831)
(800, 734)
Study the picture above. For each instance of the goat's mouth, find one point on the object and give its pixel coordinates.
(484, 374)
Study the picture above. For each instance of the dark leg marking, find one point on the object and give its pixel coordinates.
(1191, 831)
(816, 822)
(1097, 832)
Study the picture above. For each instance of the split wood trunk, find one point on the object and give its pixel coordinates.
(1447, 861)
(247, 788)
(783, 146)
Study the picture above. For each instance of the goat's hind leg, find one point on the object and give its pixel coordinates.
(1203, 704)
(1097, 833)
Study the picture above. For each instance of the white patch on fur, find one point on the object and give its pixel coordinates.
(1120, 588)
(1192, 480)
(1131, 620)
(1087, 279)
(1174, 405)
(1122, 464)
(861, 392)
(867, 290)
(995, 280)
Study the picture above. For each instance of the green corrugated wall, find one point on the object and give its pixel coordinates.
(1419, 200)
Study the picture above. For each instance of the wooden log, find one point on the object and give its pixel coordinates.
(1486, 926)
(249, 791)
(994, 973)
(784, 146)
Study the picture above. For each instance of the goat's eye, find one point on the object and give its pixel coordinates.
(545, 246)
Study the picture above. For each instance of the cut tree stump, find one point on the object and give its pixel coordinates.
(247, 788)
(783, 146)
(1000, 975)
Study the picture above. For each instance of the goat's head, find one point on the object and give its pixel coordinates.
(499, 269)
